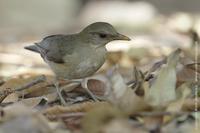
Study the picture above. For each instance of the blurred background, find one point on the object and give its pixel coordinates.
(156, 27)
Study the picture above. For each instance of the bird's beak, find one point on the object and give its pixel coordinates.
(121, 37)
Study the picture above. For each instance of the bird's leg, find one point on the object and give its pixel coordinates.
(62, 100)
(84, 85)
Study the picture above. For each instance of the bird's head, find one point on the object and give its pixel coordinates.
(101, 33)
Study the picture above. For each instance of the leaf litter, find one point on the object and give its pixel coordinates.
(164, 98)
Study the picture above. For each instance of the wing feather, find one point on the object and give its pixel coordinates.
(54, 48)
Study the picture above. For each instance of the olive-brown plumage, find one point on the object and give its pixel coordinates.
(78, 55)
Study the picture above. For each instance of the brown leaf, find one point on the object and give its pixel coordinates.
(5, 93)
(10, 112)
(15, 82)
(31, 102)
(20, 82)
(139, 79)
(153, 123)
(81, 107)
(97, 87)
(13, 97)
(73, 122)
(26, 123)
(190, 104)
(121, 126)
(97, 84)
(188, 74)
(103, 115)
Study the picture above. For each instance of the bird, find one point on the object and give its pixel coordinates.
(78, 55)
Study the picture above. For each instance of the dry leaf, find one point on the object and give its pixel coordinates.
(40, 89)
(187, 74)
(139, 79)
(176, 106)
(192, 53)
(25, 124)
(153, 123)
(32, 102)
(181, 124)
(191, 103)
(23, 83)
(13, 111)
(13, 97)
(51, 97)
(19, 82)
(98, 85)
(194, 66)
(123, 96)
(15, 82)
(5, 93)
(121, 126)
(163, 89)
(103, 115)
(81, 107)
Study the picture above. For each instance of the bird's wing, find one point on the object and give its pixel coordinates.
(54, 48)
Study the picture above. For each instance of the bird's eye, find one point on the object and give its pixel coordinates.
(102, 35)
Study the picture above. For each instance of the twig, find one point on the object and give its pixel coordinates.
(160, 113)
(66, 115)
(39, 79)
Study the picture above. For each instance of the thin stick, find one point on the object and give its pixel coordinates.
(38, 80)
(160, 113)
(66, 115)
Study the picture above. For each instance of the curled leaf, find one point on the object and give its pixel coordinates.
(162, 90)
(123, 96)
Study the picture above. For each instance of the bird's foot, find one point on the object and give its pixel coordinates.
(84, 85)
(62, 100)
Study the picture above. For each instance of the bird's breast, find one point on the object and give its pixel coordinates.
(91, 62)
(80, 65)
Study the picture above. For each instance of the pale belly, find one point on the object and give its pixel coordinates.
(82, 66)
